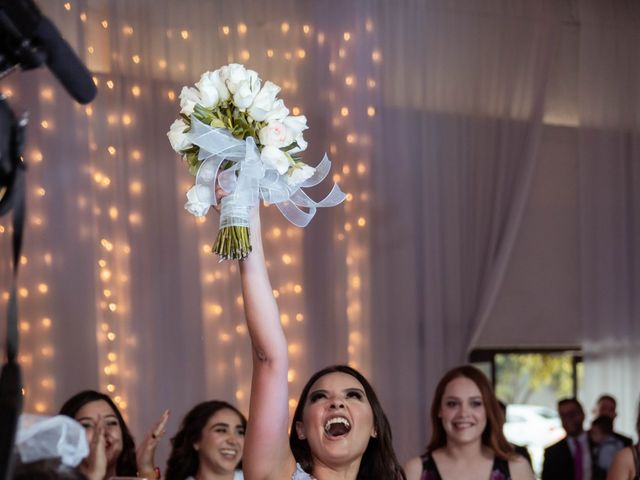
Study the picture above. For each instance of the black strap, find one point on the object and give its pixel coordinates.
(636, 461)
(10, 378)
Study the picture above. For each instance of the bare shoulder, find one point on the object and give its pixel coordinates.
(622, 467)
(413, 468)
(520, 469)
(625, 455)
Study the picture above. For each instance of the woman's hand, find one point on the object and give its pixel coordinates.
(147, 448)
(94, 466)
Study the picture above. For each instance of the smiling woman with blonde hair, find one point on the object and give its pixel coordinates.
(467, 440)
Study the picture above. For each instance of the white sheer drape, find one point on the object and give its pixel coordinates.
(464, 96)
(609, 159)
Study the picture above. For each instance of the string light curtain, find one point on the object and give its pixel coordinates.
(119, 289)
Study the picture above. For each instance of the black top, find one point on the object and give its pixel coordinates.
(636, 462)
(499, 471)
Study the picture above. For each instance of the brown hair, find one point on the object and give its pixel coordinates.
(183, 461)
(492, 436)
(379, 460)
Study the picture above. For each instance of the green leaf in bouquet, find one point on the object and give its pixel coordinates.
(205, 115)
(217, 123)
(192, 149)
(193, 167)
(186, 118)
(238, 132)
(291, 146)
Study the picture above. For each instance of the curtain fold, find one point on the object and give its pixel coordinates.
(463, 112)
(609, 202)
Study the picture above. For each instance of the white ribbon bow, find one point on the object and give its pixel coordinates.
(247, 180)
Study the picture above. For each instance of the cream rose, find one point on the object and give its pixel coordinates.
(177, 136)
(299, 173)
(208, 85)
(273, 157)
(233, 75)
(278, 111)
(275, 134)
(247, 91)
(189, 96)
(302, 145)
(199, 199)
(264, 101)
(296, 124)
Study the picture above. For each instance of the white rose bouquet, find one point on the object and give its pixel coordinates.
(233, 130)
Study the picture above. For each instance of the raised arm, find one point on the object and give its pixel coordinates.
(266, 454)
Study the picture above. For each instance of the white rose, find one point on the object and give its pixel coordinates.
(216, 79)
(296, 124)
(177, 136)
(264, 101)
(209, 93)
(189, 96)
(247, 91)
(275, 134)
(273, 157)
(299, 173)
(233, 75)
(302, 145)
(278, 111)
(199, 199)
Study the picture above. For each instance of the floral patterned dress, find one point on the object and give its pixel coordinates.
(499, 471)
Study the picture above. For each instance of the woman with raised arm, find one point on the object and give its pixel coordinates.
(467, 441)
(339, 429)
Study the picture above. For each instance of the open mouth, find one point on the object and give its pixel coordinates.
(229, 453)
(337, 426)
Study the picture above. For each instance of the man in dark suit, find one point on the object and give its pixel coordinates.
(606, 407)
(570, 458)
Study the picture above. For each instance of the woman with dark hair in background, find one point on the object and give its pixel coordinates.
(467, 440)
(626, 463)
(209, 444)
(339, 430)
(101, 419)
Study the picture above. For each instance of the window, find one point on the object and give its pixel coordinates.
(530, 383)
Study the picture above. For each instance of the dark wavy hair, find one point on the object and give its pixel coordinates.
(183, 460)
(492, 435)
(379, 460)
(126, 464)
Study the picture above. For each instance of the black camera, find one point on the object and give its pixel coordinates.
(28, 40)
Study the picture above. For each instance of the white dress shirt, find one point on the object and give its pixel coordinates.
(586, 453)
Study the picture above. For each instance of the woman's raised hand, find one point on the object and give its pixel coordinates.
(94, 466)
(146, 450)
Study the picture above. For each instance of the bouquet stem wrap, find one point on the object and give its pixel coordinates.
(246, 181)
